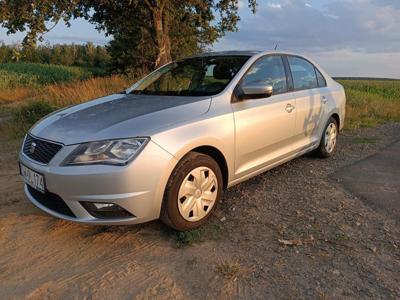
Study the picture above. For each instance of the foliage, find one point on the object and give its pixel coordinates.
(28, 114)
(89, 55)
(155, 30)
(371, 102)
(11, 80)
(14, 75)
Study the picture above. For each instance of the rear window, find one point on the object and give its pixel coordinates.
(320, 78)
(303, 73)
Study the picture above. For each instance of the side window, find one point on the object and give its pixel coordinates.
(268, 70)
(303, 73)
(320, 78)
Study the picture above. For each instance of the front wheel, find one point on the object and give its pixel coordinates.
(192, 192)
(328, 140)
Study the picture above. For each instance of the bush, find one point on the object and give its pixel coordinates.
(25, 116)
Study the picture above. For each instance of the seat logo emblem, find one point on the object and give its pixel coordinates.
(32, 148)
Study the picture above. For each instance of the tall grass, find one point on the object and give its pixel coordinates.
(66, 93)
(371, 102)
(27, 105)
(28, 114)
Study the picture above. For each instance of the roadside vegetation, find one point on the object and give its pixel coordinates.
(66, 93)
(371, 102)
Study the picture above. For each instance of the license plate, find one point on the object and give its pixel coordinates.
(33, 178)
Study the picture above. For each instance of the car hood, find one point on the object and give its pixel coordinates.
(118, 116)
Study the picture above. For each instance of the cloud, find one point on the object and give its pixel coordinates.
(346, 62)
(76, 39)
(241, 4)
(274, 5)
(359, 26)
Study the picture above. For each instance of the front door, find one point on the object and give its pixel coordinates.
(264, 126)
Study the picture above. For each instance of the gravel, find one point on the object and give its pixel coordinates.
(292, 232)
(340, 247)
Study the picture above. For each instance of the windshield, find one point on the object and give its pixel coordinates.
(198, 76)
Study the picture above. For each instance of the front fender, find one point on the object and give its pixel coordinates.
(217, 132)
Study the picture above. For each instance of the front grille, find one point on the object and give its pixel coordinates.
(51, 201)
(40, 150)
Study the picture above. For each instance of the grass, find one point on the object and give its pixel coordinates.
(366, 140)
(187, 238)
(371, 102)
(14, 75)
(229, 270)
(26, 105)
(212, 230)
(64, 94)
(27, 115)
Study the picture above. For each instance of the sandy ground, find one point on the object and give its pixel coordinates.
(293, 232)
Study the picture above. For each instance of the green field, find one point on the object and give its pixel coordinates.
(14, 75)
(371, 102)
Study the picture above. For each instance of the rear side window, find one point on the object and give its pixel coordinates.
(320, 78)
(303, 73)
(268, 70)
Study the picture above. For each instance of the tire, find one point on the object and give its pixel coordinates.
(326, 148)
(184, 197)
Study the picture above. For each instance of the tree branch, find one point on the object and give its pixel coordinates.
(151, 7)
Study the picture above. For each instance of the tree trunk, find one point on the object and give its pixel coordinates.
(161, 26)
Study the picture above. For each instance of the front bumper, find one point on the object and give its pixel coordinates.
(137, 187)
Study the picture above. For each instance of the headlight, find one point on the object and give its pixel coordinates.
(109, 152)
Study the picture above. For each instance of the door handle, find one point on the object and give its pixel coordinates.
(289, 108)
(324, 99)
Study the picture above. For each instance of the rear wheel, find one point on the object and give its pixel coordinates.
(192, 192)
(328, 140)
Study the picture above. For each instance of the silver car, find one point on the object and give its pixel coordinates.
(168, 146)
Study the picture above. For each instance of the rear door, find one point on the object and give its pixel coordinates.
(309, 101)
(264, 127)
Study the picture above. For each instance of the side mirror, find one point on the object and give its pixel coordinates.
(256, 90)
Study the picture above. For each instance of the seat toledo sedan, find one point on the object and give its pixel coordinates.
(168, 146)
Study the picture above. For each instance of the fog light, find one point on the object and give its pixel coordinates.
(106, 210)
(100, 206)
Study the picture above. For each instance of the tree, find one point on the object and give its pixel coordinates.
(157, 29)
(16, 55)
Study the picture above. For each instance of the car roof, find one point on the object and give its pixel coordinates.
(245, 53)
(228, 53)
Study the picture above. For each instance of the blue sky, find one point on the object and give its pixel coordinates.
(347, 37)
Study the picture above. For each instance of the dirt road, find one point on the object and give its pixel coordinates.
(293, 232)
